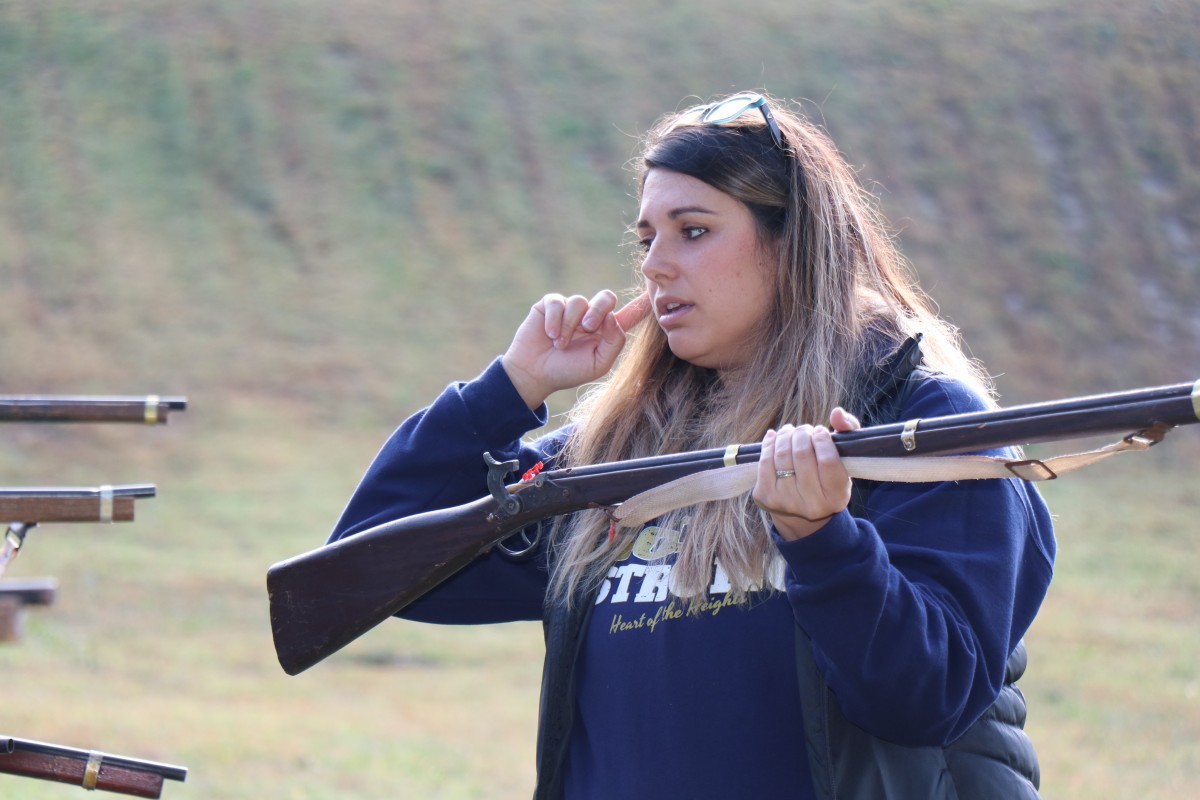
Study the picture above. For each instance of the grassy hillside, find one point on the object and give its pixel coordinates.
(275, 195)
(309, 215)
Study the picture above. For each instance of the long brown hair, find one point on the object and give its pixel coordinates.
(844, 299)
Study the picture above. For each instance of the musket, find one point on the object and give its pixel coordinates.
(89, 769)
(72, 503)
(323, 599)
(148, 409)
(25, 507)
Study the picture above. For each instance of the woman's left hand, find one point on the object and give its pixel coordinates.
(801, 479)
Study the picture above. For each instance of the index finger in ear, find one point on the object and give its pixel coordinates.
(634, 311)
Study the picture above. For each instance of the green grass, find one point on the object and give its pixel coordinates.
(1114, 677)
(159, 645)
(306, 174)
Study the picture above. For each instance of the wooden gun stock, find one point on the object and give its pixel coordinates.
(322, 600)
(368, 579)
(86, 768)
(149, 409)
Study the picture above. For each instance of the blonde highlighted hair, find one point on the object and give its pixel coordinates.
(844, 299)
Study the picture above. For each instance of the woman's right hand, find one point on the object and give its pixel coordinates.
(566, 342)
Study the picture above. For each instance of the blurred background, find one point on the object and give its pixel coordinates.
(308, 216)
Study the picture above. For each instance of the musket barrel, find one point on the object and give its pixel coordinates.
(148, 409)
(171, 771)
(123, 490)
(87, 768)
(1119, 412)
(1032, 424)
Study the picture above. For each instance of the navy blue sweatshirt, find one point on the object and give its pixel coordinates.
(912, 611)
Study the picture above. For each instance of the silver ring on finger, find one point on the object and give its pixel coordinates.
(780, 474)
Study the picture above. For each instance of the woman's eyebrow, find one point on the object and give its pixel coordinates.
(676, 213)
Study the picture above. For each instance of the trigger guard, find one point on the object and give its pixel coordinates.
(521, 546)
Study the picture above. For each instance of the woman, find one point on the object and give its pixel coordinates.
(816, 639)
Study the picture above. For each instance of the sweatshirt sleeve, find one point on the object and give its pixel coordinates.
(434, 460)
(914, 609)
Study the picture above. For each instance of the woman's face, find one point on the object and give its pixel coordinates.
(709, 281)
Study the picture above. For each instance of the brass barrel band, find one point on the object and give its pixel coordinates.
(732, 450)
(908, 437)
(1196, 399)
(106, 503)
(91, 773)
(152, 402)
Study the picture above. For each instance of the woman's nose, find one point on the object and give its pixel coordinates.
(657, 264)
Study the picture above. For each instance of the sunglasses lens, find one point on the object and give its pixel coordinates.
(730, 109)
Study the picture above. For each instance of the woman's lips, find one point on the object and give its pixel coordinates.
(671, 312)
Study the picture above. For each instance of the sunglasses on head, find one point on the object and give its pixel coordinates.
(731, 108)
